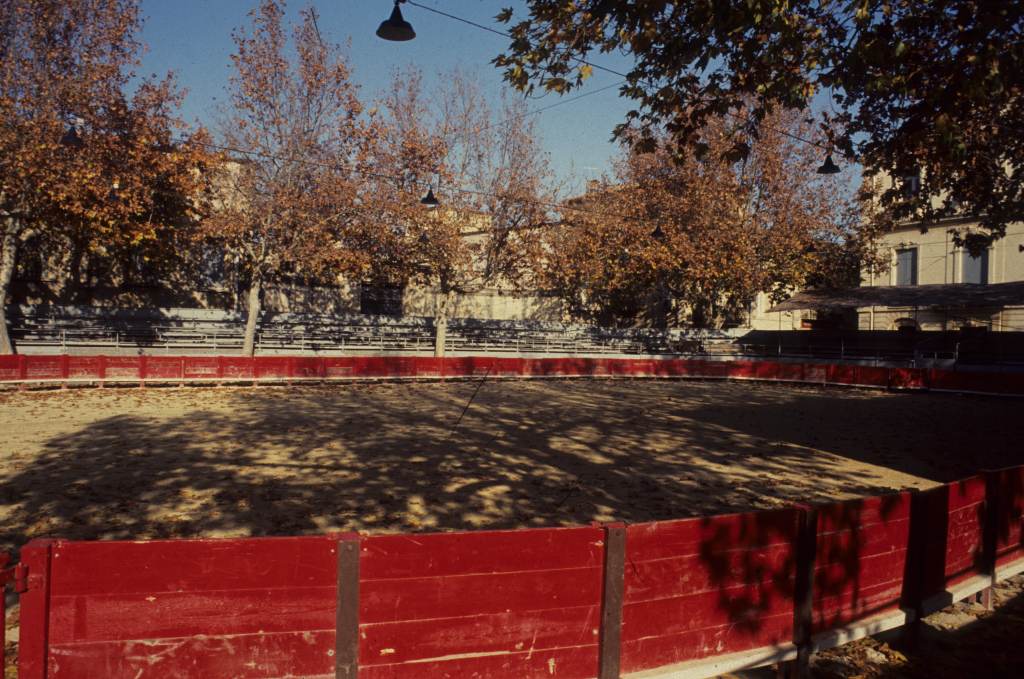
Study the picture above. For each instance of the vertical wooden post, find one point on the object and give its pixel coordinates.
(990, 535)
(803, 594)
(143, 364)
(346, 642)
(102, 369)
(34, 617)
(22, 367)
(610, 649)
(915, 569)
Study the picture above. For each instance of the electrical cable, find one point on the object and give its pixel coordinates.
(599, 67)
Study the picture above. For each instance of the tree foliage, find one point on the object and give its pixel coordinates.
(916, 87)
(127, 179)
(291, 201)
(673, 241)
(487, 167)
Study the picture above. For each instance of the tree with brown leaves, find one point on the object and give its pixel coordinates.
(80, 159)
(487, 231)
(933, 89)
(679, 240)
(292, 201)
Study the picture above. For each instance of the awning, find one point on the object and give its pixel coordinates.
(954, 295)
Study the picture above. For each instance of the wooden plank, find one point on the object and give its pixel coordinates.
(479, 552)
(611, 601)
(745, 609)
(659, 650)
(346, 644)
(305, 653)
(561, 663)
(723, 533)
(695, 574)
(164, 566)
(94, 617)
(456, 596)
(492, 633)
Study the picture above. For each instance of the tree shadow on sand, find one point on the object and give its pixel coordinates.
(387, 457)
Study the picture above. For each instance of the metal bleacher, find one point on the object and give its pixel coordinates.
(204, 331)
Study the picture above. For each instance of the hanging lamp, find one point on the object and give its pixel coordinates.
(429, 200)
(395, 28)
(829, 166)
(71, 138)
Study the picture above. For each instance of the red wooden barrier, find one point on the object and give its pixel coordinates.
(202, 368)
(1007, 486)
(952, 563)
(126, 368)
(699, 588)
(42, 368)
(977, 382)
(489, 604)
(500, 603)
(907, 378)
(182, 608)
(237, 368)
(697, 596)
(10, 368)
(861, 559)
(171, 368)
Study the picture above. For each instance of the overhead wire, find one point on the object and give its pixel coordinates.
(600, 67)
(563, 206)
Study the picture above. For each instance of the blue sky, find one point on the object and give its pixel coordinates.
(193, 39)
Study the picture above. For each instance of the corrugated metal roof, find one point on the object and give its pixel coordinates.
(944, 296)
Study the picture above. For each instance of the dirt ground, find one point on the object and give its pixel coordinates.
(162, 462)
(963, 640)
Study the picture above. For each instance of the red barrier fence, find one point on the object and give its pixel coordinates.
(691, 597)
(180, 369)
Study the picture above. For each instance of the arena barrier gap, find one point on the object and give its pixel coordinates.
(692, 597)
(101, 370)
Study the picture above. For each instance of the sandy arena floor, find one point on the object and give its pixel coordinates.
(130, 463)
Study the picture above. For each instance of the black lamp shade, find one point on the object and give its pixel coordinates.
(72, 139)
(429, 200)
(396, 28)
(829, 166)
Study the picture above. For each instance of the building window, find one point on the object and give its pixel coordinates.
(906, 266)
(910, 185)
(975, 269)
(375, 300)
